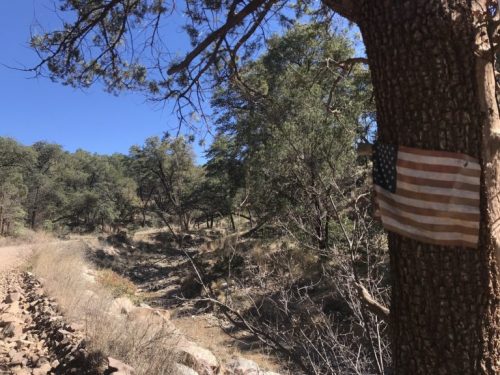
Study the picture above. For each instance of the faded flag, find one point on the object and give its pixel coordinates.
(430, 196)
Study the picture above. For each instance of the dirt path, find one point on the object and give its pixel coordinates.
(12, 257)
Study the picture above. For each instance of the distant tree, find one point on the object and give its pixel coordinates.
(223, 191)
(170, 177)
(42, 197)
(97, 192)
(14, 161)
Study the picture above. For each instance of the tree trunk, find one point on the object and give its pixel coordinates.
(424, 66)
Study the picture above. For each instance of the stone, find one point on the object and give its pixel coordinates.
(21, 371)
(184, 370)
(119, 368)
(18, 359)
(13, 297)
(11, 329)
(121, 305)
(42, 370)
(242, 366)
(9, 318)
(200, 359)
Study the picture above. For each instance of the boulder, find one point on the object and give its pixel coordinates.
(200, 359)
(242, 366)
(121, 305)
(184, 370)
(119, 368)
(149, 315)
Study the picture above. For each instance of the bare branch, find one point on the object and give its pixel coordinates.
(371, 304)
(220, 33)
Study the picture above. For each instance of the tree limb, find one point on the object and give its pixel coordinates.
(232, 21)
(371, 304)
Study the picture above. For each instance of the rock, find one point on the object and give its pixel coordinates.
(11, 329)
(13, 297)
(9, 318)
(121, 305)
(270, 373)
(149, 315)
(200, 359)
(184, 370)
(42, 370)
(21, 371)
(18, 359)
(242, 366)
(73, 327)
(119, 368)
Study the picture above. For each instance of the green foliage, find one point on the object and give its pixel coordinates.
(168, 179)
(292, 122)
(44, 187)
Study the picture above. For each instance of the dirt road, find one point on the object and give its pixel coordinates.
(13, 256)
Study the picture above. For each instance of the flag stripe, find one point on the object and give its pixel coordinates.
(439, 176)
(445, 199)
(452, 185)
(424, 239)
(438, 190)
(449, 236)
(439, 228)
(436, 160)
(444, 154)
(415, 203)
(388, 198)
(430, 196)
(427, 219)
(439, 168)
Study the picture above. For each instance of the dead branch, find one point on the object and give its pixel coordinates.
(371, 304)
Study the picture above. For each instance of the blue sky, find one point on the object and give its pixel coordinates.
(33, 109)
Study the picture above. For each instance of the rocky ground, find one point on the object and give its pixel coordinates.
(164, 276)
(34, 337)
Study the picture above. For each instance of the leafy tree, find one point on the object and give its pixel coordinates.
(97, 192)
(42, 197)
(14, 160)
(295, 135)
(432, 68)
(168, 173)
(222, 192)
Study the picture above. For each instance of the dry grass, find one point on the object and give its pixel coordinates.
(118, 285)
(66, 275)
(25, 236)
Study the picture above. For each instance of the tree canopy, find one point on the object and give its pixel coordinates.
(122, 43)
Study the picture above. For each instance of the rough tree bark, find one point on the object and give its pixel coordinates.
(433, 89)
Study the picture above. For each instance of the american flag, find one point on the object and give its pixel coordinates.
(430, 196)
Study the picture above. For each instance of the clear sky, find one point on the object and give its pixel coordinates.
(33, 109)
